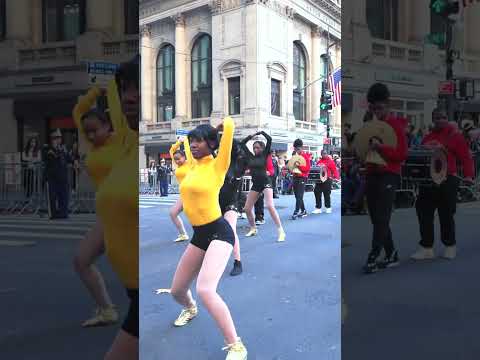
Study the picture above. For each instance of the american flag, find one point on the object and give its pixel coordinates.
(335, 81)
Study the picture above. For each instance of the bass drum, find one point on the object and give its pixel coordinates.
(426, 166)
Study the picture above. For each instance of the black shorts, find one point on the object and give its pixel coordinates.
(130, 324)
(229, 194)
(219, 229)
(261, 183)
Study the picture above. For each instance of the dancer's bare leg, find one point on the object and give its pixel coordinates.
(214, 263)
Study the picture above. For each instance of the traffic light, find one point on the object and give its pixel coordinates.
(445, 8)
(326, 101)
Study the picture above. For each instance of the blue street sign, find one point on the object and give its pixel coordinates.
(181, 132)
(101, 68)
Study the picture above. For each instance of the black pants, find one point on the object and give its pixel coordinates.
(259, 208)
(380, 196)
(443, 198)
(163, 187)
(58, 192)
(324, 188)
(274, 185)
(299, 190)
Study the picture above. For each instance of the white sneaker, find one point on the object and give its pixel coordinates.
(423, 254)
(329, 210)
(317, 211)
(450, 252)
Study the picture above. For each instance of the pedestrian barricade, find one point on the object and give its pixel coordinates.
(23, 189)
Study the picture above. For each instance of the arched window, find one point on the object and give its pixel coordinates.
(299, 82)
(166, 83)
(202, 77)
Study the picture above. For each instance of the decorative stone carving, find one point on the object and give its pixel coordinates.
(219, 6)
(146, 31)
(317, 32)
(179, 19)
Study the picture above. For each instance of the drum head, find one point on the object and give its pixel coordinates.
(439, 166)
(323, 174)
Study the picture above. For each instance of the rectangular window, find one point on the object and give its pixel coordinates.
(63, 20)
(3, 19)
(437, 26)
(131, 17)
(234, 96)
(276, 93)
(383, 27)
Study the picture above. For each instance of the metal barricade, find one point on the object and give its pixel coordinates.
(23, 189)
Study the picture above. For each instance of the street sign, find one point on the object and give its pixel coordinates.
(181, 132)
(100, 72)
(446, 88)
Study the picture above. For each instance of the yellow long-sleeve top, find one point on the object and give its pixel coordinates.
(117, 201)
(199, 190)
(99, 160)
(182, 171)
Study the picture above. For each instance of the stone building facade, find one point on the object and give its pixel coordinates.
(259, 61)
(393, 49)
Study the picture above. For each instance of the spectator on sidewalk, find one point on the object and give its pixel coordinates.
(162, 173)
(57, 165)
(31, 157)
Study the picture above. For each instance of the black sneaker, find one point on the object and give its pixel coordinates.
(260, 222)
(237, 268)
(303, 213)
(371, 266)
(295, 215)
(389, 261)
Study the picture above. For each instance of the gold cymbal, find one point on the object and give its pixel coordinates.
(374, 129)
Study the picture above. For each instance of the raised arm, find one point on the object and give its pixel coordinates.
(244, 146)
(119, 123)
(83, 105)
(188, 153)
(268, 146)
(174, 148)
(222, 161)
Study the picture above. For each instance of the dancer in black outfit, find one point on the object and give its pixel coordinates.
(257, 163)
(229, 197)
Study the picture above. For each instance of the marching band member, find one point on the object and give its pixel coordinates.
(300, 180)
(443, 197)
(325, 188)
(383, 180)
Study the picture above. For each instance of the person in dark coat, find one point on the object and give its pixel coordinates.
(162, 173)
(57, 161)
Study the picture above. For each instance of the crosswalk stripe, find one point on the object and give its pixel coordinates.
(145, 206)
(44, 227)
(55, 222)
(24, 234)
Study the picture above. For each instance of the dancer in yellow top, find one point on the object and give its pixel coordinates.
(105, 149)
(183, 159)
(117, 204)
(208, 253)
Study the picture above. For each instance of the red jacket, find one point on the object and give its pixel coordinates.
(305, 169)
(330, 165)
(270, 169)
(394, 156)
(457, 149)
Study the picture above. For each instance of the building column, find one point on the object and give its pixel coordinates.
(316, 73)
(146, 75)
(180, 68)
(37, 22)
(21, 11)
(99, 15)
(360, 12)
(419, 9)
(287, 89)
(472, 14)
